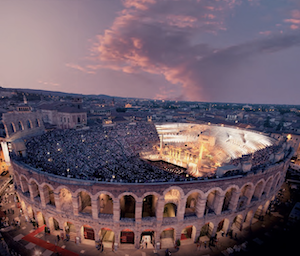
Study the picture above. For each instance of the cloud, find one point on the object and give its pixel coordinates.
(158, 37)
(48, 83)
(80, 68)
(265, 33)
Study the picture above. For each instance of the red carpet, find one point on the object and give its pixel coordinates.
(51, 247)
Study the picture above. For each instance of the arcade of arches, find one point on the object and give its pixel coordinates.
(92, 217)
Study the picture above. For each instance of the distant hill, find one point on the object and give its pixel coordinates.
(60, 94)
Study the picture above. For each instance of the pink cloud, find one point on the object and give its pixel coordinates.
(48, 83)
(293, 27)
(80, 68)
(265, 33)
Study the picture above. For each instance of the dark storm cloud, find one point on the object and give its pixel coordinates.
(157, 37)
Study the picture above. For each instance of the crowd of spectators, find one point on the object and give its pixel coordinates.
(260, 157)
(99, 153)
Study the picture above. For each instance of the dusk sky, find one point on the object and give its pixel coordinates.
(244, 51)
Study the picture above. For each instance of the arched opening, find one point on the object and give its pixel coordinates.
(276, 181)
(54, 226)
(17, 180)
(12, 127)
(228, 198)
(49, 195)
(170, 210)
(37, 122)
(20, 126)
(258, 214)
(212, 202)
(206, 231)
(188, 234)
(84, 203)
(127, 207)
(78, 119)
(66, 203)
(248, 219)
(258, 191)
(244, 197)
(237, 223)
(70, 230)
(149, 206)
(87, 232)
(190, 206)
(127, 237)
(30, 212)
(147, 239)
(40, 219)
(24, 186)
(266, 207)
(35, 191)
(268, 186)
(167, 238)
(107, 237)
(223, 226)
(105, 206)
(28, 124)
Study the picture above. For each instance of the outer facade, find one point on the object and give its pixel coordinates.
(178, 210)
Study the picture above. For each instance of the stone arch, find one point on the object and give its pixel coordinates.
(37, 122)
(245, 195)
(48, 193)
(268, 185)
(17, 179)
(147, 239)
(276, 181)
(207, 230)
(258, 213)
(24, 184)
(223, 226)
(248, 219)
(191, 204)
(104, 204)
(65, 198)
(258, 190)
(127, 236)
(167, 238)
(107, 237)
(214, 201)
(30, 212)
(34, 190)
(229, 197)
(127, 206)
(170, 210)
(149, 206)
(237, 223)
(12, 127)
(87, 233)
(84, 202)
(173, 193)
(29, 124)
(70, 229)
(188, 234)
(40, 219)
(54, 226)
(20, 126)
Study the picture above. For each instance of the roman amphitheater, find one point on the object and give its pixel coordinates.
(157, 182)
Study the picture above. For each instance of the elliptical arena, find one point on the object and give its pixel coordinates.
(158, 182)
